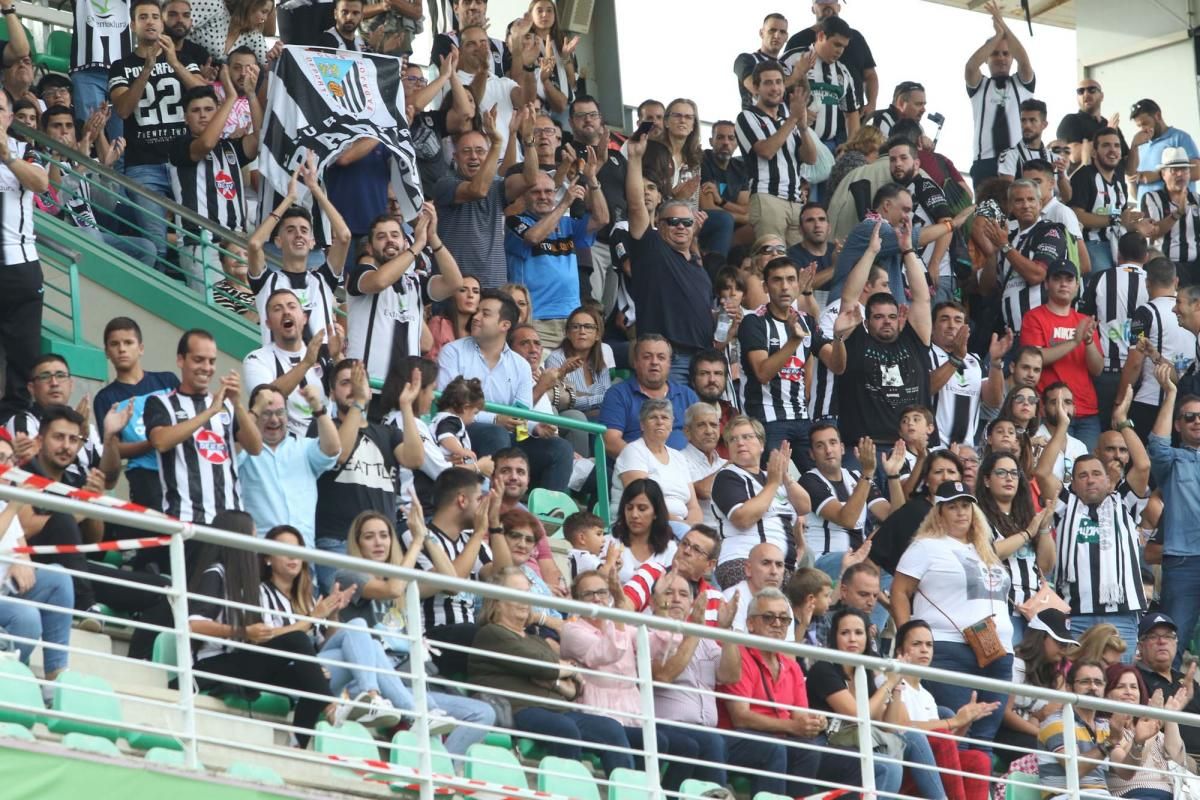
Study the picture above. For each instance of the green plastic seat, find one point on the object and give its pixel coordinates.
(57, 57)
(349, 740)
(22, 697)
(551, 506)
(86, 743)
(254, 773)
(275, 705)
(495, 766)
(567, 778)
(742, 785)
(628, 784)
(91, 700)
(167, 757)
(530, 749)
(694, 789)
(497, 739)
(164, 652)
(771, 796)
(405, 753)
(1015, 791)
(11, 730)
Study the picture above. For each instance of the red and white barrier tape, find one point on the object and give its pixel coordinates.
(102, 547)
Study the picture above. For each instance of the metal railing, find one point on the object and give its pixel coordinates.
(62, 304)
(423, 778)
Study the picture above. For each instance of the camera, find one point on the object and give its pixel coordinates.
(936, 118)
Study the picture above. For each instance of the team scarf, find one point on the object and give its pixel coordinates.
(322, 101)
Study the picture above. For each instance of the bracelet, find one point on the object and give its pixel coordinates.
(276, 216)
(361, 408)
(495, 530)
(956, 361)
(7, 11)
(320, 412)
(906, 253)
(894, 477)
(438, 249)
(949, 226)
(807, 294)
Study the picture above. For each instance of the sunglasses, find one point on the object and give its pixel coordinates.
(679, 222)
(1060, 151)
(1190, 416)
(1081, 91)
(775, 249)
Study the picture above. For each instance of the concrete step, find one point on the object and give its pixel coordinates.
(213, 717)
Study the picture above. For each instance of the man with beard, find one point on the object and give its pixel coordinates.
(887, 359)
(1032, 149)
(1078, 128)
(1146, 150)
(1126, 459)
(724, 185)
(468, 13)
(1158, 643)
(708, 377)
(280, 483)
(177, 23)
(814, 248)
(908, 102)
(287, 363)
(588, 130)
(772, 36)
(1096, 738)
(386, 291)
(930, 209)
(996, 99)
(347, 16)
(1098, 199)
(778, 147)
(957, 380)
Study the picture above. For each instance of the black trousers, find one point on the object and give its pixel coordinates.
(283, 670)
(453, 662)
(144, 489)
(21, 297)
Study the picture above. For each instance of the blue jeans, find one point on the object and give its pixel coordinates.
(795, 431)
(1019, 626)
(710, 748)
(550, 459)
(957, 657)
(848, 769)
(89, 88)
(459, 740)
(355, 645)
(325, 574)
(52, 588)
(149, 218)
(1101, 256)
(918, 751)
(579, 727)
(1181, 597)
(681, 367)
(1086, 430)
(1126, 625)
(717, 234)
(777, 759)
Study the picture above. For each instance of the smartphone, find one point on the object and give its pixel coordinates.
(642, 130)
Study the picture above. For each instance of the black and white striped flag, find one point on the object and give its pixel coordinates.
(322, 101)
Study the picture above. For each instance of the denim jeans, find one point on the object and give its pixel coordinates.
(480, 714)
(550, 459)
(149, 217)
(681, 366)
(52, 588)
(796, 432)
(957, 657)
(778, 759)
(577, 726)
(1126, 625)
(1101, 255)
(1086, 430)
(355, 645)
(325, 574)
(848, 769)
(717, 234)
(89, 88)
(1181, 597)
(918, 751)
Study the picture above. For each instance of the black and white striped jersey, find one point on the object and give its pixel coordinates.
(1043, 241)
(102, 34)
(443, 608)
(1111, 296)
(784, 397)
(1099, 566)
(743, 67)
(996, 110)
(1023, 573)
(212, 186)
(1012, 160)
(16, 211)
(825, 536)
(956, 405)
(783, 174)
(1095, 194)
(929, 206)
(385, 326)
(199, 475)
(1155, 320)
(314, 289)
(833, 95)
(1181, 244)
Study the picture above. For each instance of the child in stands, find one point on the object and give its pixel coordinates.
(461, 400)
(591, 549)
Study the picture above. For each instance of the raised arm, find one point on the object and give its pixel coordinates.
(339, 231)
(1138, 473)
(856, 279)
(256, 258)
(1164, 374)
(478, 187)
(1043, 472)
(920, 312)
(635, 188)
(203, 144)
(1025, 66)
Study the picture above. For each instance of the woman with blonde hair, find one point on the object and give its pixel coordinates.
(557, 65)
(681, 136)
(951, 577)
(1100, 643)
(520, 295)
(860, 149)
(765, 248)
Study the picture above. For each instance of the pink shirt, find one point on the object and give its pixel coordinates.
(683, 705)
(611, 650)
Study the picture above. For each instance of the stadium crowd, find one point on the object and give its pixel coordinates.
(850, 398)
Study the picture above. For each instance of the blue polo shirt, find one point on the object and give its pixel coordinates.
(279, 486)
(1150, 156)
(549, 270)
(623, 402)
(117, 393)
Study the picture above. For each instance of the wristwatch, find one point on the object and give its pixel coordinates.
(1005, 249)
(1124, 424)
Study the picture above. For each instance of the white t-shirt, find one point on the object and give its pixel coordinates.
(266, 364)
(674, 477)
(497, 94)
(1072, 450)
(700, 468)
(1055, 211)
(956, 589)
(917, 701)
(7, 542)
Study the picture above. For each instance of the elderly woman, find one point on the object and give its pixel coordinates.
(951, 577)
(1150, 744)
(754, 505)
(859, 150)
(702, 427)
(611, 648)
(693, 664)
(544, 687)
(649, 457)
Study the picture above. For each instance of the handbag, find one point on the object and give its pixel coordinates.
(1044, 598)
(885, 742)
(980, 636)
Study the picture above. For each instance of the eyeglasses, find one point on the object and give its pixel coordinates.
(678, 222)
(1190, 416)
(46, 377)
(415, 79)
(515, 536)
(8, 459)
(776, 249)
(589, 327)
(545, 131)
(586, 115)
(276, 414)
(1082, 90)
(678, 117)
(693, 549)
(774, 620)
(1169, 636)
(1006, 473)
(1089, 681)
(743, 437)
(595, 594)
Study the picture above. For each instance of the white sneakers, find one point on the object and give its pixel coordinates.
(375, 711)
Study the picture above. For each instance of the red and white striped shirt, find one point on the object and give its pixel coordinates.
(640, 590)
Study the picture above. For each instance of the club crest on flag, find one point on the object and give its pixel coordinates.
(343, 80)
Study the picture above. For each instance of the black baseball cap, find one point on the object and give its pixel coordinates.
(1152, 621)
(953, 490)
(1053, 622)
